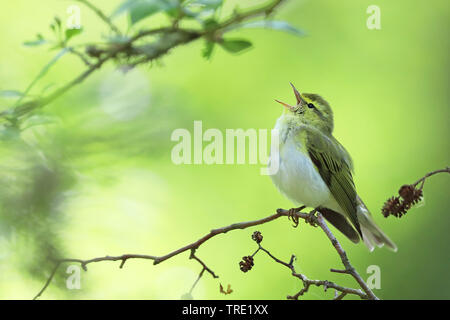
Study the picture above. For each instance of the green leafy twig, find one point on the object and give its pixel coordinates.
(101, 15)
(80, 55)
(131, 48)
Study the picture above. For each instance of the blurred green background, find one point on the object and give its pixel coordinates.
(98, 179)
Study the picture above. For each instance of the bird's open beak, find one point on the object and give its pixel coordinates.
(297, 96)
(286, 105)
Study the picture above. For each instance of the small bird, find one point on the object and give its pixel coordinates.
(315, 170)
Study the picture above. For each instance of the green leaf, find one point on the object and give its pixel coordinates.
(47, 67)
(46, 88)
(39, 41)
(70, 33)
(270, 24)
(56, 25)
(140, 9)
(197, 9)
(34, 43)
(38, 120)
(189, 13)
(58, 21)
(210, 24)
(8, 133)
(235, 46)
(207, 4)
(144, 9)
(11, 94)
(208, 50)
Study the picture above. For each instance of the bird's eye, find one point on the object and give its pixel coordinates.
(311, 106)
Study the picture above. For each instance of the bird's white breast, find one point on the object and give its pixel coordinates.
(297, 178)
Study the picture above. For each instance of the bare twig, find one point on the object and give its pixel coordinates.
(264, 10)
(200, 275)
(205, 267)
(349, 269)
(429, 174)
(341, 296)
(49, 280)
(366, 293)
(80, 55)
(101, 15)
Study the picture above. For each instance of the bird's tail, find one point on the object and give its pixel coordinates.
(372, 234)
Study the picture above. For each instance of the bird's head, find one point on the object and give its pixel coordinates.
(310, 109)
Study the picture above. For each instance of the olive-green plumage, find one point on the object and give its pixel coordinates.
(334, 165)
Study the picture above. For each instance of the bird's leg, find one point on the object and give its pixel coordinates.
(311, 219)
(292, 215)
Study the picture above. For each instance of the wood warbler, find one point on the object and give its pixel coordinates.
(315, 170)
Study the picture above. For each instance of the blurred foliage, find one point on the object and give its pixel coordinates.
(34, 187)
(90, 174)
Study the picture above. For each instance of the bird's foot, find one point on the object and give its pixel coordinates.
(312, 218)
(292, 215)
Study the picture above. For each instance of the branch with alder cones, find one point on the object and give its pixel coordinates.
(409, 195)
(314, 218)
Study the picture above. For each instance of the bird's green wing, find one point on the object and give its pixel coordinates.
(335, 167)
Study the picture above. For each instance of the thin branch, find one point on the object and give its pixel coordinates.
(264, 10)
(101, 15)
(341, 296)
(196, 281)
(345, 261)
(49, 280)
(429, 174)
(205, 267)
(366, 294)
(80, 55)
(29, 106)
